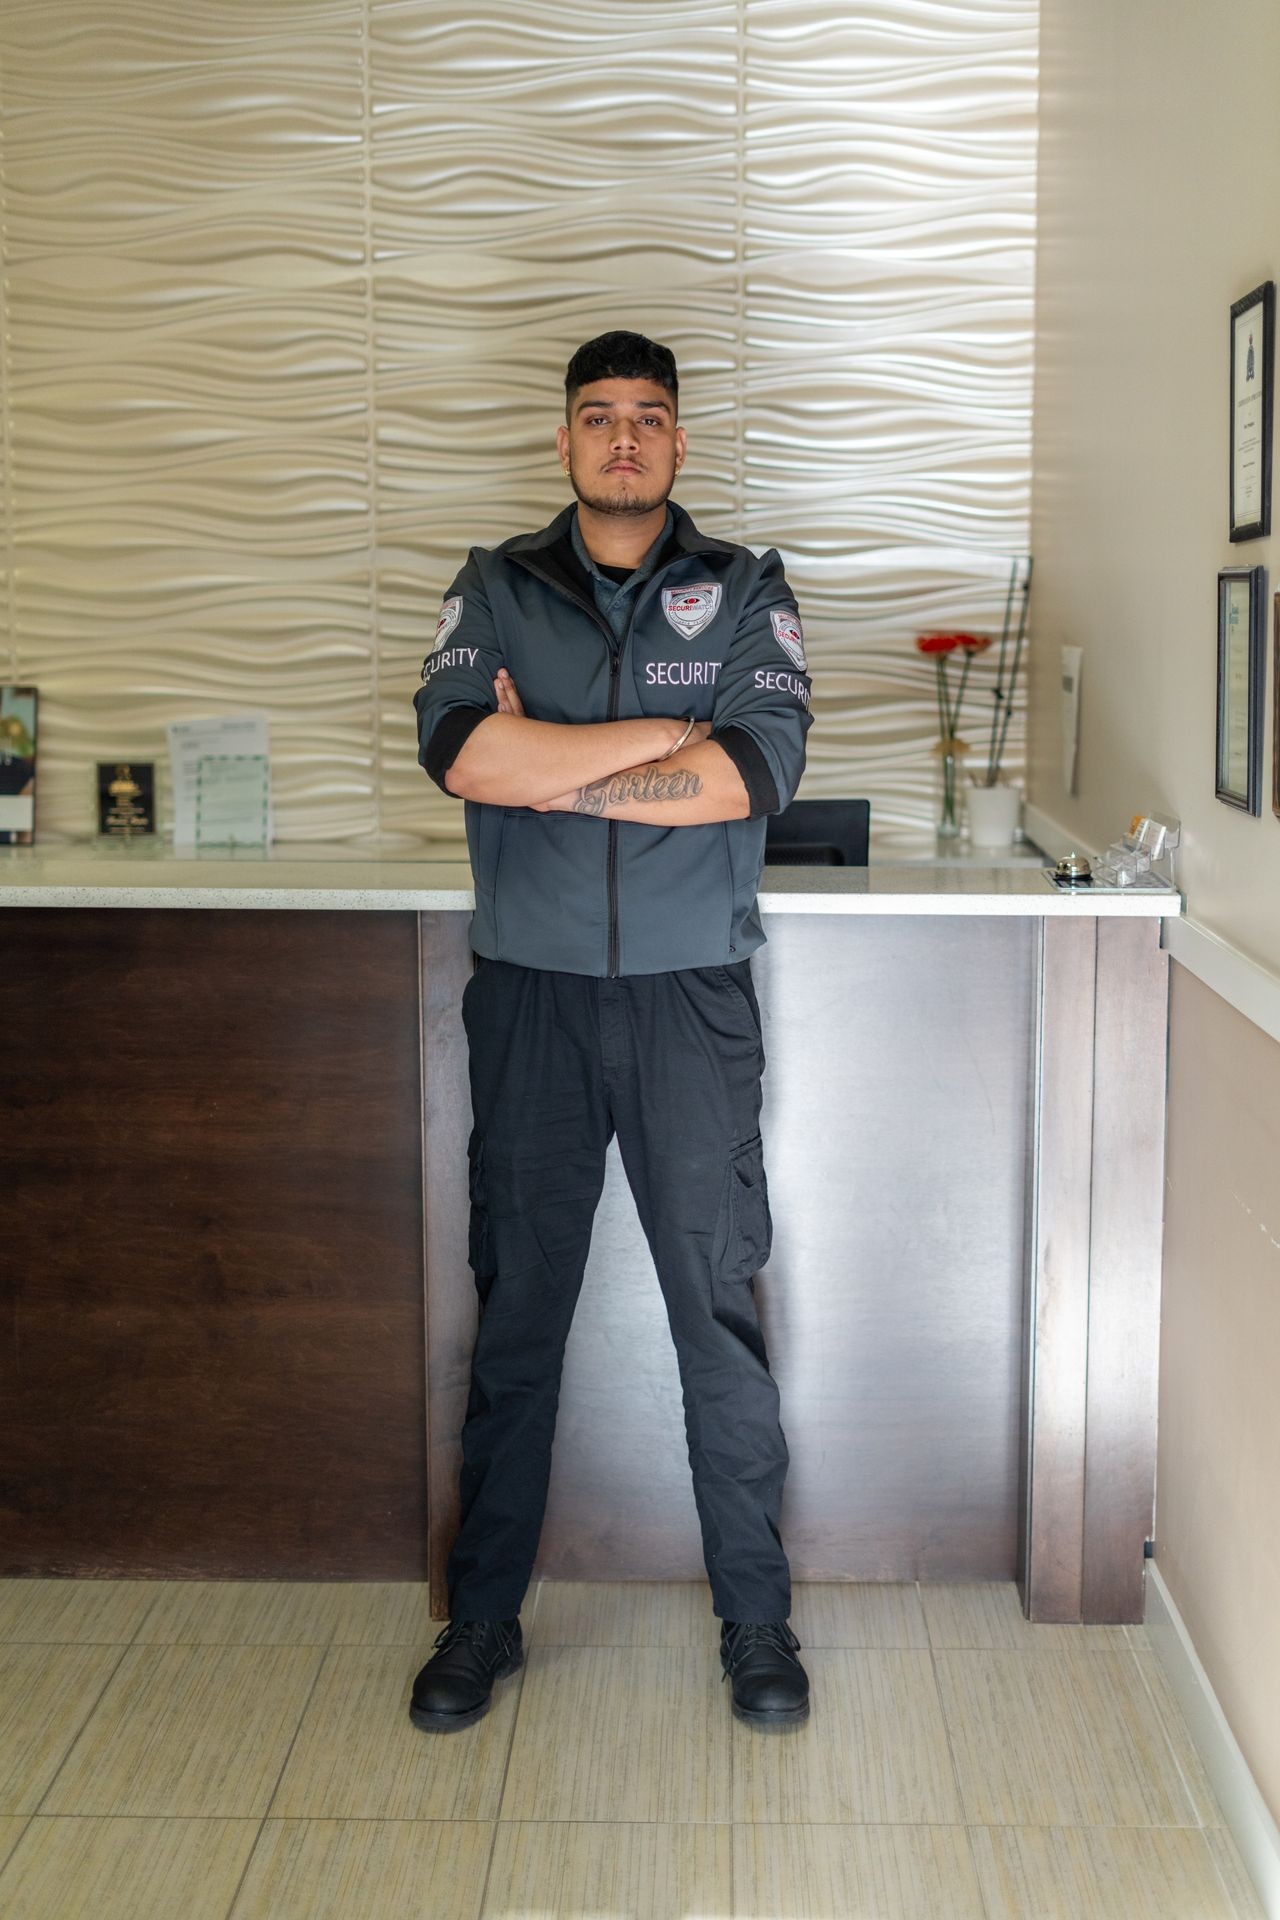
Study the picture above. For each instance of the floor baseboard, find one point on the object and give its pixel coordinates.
(1247, 1815)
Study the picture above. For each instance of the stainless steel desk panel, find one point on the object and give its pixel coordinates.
(897, 1126)
(964, 1125)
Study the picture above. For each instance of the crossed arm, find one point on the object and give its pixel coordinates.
(613, 769)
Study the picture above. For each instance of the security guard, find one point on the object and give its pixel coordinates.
(621, 701)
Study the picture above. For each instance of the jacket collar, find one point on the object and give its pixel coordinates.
(549, 553)
(648, 564)
(685, 537)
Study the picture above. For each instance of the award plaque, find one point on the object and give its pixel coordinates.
(126, 798)
(17, 766)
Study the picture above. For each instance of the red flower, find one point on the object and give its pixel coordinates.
(948, 642)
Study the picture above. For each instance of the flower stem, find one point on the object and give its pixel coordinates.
(939, 663)
(964, 675)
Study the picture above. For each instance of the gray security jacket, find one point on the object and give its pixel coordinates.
(713, 631)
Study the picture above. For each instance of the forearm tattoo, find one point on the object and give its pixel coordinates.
(638, 783)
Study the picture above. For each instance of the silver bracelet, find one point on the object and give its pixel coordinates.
(676, 746)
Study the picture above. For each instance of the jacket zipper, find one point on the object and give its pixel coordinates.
(616, 650)
(613, 825)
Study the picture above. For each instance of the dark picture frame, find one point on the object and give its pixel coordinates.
(1241, 680)
(1253, 325)
(19, 758)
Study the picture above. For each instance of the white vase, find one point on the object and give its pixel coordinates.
(993, 815)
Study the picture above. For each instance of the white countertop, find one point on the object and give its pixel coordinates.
(357, 879)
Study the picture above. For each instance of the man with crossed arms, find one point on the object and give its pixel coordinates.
(620, 700)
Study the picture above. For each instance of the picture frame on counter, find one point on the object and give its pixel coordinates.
(1253, 331)
(19, 707)
(1241, 679)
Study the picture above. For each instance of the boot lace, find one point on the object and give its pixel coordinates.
(475, 1630)
(746, 1634)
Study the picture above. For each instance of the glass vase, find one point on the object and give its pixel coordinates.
(948, 809)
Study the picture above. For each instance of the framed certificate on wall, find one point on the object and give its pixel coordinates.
(1253, 328)
(1241, 667)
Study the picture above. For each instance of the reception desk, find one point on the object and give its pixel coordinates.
(239, 1314)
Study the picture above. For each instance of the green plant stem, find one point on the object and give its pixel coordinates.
(939, 663)
(964, 675)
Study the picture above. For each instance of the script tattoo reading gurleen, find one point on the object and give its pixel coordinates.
(647, 784)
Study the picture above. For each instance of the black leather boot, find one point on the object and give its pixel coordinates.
(453, 1689)
(770, 1687)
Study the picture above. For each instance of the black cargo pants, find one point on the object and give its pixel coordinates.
(671, 1062)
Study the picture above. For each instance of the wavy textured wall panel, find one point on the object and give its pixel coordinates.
(288, 293)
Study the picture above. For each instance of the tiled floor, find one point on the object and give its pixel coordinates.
(201, 1751)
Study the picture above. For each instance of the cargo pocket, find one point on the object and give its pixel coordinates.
(744, 1235)
(479, 1233)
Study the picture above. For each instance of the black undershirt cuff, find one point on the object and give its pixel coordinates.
(448, 735)
(745, 753)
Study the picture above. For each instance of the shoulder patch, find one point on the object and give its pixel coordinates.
(789, 634)
(690, 609)
(450, 614)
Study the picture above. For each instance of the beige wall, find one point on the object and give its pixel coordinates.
(1159, 182)
(1218, 1470)
(288, 294)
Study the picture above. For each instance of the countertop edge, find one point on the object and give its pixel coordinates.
(170, 898)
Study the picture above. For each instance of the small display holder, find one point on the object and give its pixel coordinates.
(1141, 860)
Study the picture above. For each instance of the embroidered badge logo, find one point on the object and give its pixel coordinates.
(690, 609)
(450, 614)
(789, 634)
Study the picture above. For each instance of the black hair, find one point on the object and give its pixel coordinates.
(621, 356)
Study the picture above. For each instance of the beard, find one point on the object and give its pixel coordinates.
(633, 493)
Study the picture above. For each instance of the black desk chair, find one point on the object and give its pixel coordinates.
(819, 833)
